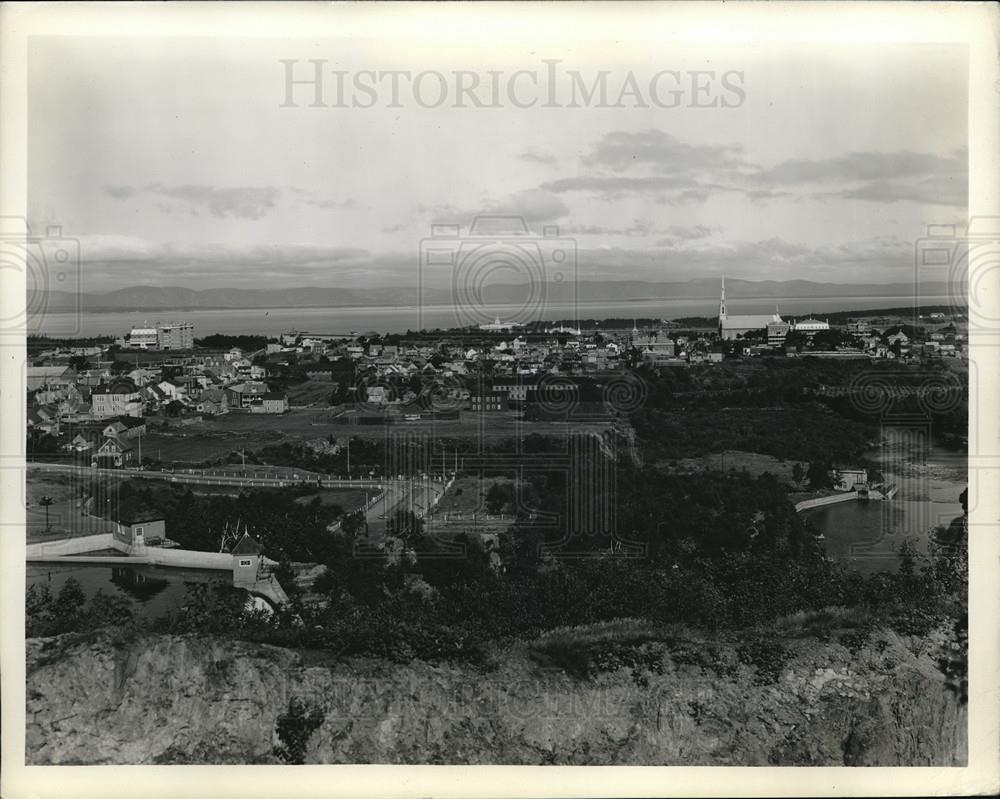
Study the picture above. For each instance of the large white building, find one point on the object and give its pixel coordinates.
(164, 336)
(733, 326)
(811, 326)
(496, 326)
(142, 338)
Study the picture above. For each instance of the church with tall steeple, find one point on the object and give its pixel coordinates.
(732, 327)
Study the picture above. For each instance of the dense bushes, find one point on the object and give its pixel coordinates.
(793, 433)
(69, 611)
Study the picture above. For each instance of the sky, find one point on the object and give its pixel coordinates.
(192, 162)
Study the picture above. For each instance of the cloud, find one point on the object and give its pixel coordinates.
(120, 192)
(623, 150)
(938, 190)
(324, 203)
(879, 177)
(112, 248)
(239, 202)
(684, 252)
(639, 227)
(534, 206)
(623, 163)
(762, 195)
(765, 255)
(864, 166)
(617, 183)
(538, 156)
(677, 233)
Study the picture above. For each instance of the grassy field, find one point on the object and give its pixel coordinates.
(311, 392)
(39, 483)
(217, 438)
(753, 463)
(65, 515)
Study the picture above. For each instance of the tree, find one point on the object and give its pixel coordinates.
(795, 340)
(294, 730)
(820, 475)
(406, 525)
(499, 497)
(830, 340)
(798, 473)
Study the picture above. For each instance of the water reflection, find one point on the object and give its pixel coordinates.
(136, 584)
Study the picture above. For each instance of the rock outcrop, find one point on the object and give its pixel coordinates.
(174, 699)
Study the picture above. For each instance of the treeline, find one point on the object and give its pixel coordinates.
(730, 557)
(223, 341)
(290, 523)
(36, 343)
(790, 434)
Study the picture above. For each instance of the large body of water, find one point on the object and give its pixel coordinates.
(868, 535)
(399, 319)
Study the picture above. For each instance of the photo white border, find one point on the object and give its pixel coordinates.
(822, 24)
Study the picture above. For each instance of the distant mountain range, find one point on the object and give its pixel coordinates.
(175, 298)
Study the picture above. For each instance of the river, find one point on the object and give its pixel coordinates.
(399, 319)
(868, 535)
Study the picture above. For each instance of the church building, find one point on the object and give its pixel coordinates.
(732, 327)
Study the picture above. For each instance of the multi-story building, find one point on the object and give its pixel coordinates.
(269, 402)
(240, 396)
(121, 398)
(776, 333)
(487, 401)
(162, 336)
(811, 326)
(142, 338)
(175, 336)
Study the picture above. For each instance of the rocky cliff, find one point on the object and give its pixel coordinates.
(169, 699)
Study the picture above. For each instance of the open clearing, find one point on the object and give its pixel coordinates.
(202, 441)
(753, 463)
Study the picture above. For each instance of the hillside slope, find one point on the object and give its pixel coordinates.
(170, 699)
